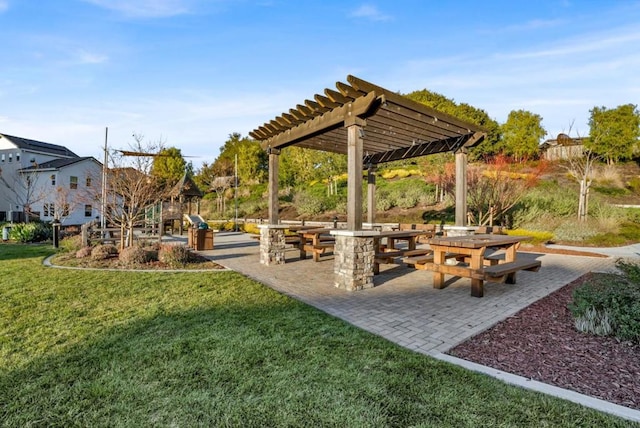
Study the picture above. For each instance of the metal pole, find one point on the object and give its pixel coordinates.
(236, 194)
(103, 207)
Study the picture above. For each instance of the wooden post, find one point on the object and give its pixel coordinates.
(461, 187)
(354, 172)
(273, 185)
(371, 194)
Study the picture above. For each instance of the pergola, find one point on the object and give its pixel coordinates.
(371, 125)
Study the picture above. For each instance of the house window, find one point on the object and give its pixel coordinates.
(53, 179)
(17, 157)
(48, 210)
(73, 182)
(10, 157)
(3, 157)
(88, 181)
(88, 210)
(65, 210)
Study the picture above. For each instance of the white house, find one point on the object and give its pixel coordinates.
(47, 181)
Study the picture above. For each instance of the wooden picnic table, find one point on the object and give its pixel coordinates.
(316, 240)
(390, 252)
(480, 266)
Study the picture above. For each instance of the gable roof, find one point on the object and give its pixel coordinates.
(186, 187)
(58, 163)
(39, 146)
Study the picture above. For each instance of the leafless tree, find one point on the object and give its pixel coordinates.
(24, 189)
(131, 188)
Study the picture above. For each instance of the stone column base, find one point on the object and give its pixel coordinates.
(354, 256)
(272, 244)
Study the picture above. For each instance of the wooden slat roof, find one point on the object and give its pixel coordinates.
(396, 127)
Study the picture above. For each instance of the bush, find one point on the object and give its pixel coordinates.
(308, 204)
(31, 232)
(71, 244)
(83, 252)
(136, 255)
(538, 237)
(175, 256)
(610, 303)
(103, 252)
(575, 231)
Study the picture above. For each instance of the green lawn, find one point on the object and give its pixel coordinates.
(86, 348)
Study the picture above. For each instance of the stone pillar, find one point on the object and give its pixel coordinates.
(354, 255)
(272, 244)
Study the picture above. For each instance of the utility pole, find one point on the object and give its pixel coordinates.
(103, 207)
(236, 192)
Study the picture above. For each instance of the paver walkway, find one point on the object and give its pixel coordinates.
(404, 307)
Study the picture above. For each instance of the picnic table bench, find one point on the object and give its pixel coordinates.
(316, 241)
(479, 266)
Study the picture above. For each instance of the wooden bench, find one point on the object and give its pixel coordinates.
(422, 262)
(292, 240)
(388, 257)
(318, 249)
(428, 229)
(385, 257)
(506, 272)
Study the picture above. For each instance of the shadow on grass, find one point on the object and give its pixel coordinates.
(278, 364)
(11, 251)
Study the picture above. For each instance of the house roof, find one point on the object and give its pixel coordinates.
(395, 127)
(186, 187)
(563, 140)
(58, 163)
(39, 146)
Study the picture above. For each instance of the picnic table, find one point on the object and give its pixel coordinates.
(389, 252)
(316, 240)
(478, 263)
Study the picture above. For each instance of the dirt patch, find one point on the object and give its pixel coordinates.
(541, 343)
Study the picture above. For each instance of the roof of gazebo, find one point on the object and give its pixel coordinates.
(396, 127)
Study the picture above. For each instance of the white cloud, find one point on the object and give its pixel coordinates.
(370, 12)
(85, 57)
(535, 24)
(145, 8)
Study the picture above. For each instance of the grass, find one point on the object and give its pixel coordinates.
(90, 348)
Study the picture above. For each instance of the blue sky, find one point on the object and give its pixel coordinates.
(191, 72)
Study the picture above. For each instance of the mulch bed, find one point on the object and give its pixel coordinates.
(541, 343)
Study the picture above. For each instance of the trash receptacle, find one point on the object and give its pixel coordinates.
(6, 230)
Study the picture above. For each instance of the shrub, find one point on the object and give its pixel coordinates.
(538, 237)
(251, 228)
(384, 201)
(135, 255)
(610, 303)
(83, 252)
(71, 244)
(103, 252)
(31, 232)
(175, 256)
(575, 231)
(634, 184)
(308, 204)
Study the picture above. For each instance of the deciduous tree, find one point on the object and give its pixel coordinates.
(614, 133)
(522, 134)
